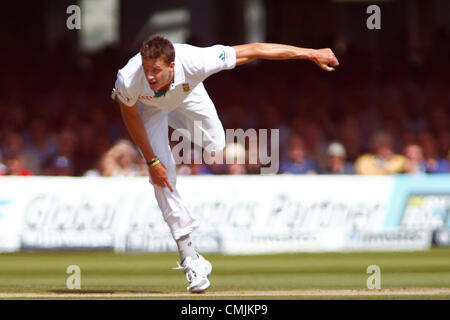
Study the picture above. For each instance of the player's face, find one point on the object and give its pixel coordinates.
(158, 74)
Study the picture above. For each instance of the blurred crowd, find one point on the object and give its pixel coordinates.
(57, 117)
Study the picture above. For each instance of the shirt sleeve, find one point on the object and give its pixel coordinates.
(125, 91)
(204, 62)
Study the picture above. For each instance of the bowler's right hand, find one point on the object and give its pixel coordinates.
(325, 59)
(159, 176)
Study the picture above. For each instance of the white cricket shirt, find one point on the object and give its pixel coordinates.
(192, 66)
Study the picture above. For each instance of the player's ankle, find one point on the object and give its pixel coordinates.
(186, 248)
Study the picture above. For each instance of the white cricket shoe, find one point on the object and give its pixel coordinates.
(197, 272)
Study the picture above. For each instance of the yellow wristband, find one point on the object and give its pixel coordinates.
(153, 163)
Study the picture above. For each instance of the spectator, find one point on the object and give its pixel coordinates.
(236, 168)
(86, 151)
(297, 161)
(349, 133)
(235, 156)
(383, 160)
(62, 163)
(216, 163)
(13, 145)
(120, 160)
(2, 166)
(415, 163)
(336, 160)
(192, 168)
(95, 171)
(253, 164)
(448, 161)
(15, 166)
(39, 144)
(443, 141)
(433, 163)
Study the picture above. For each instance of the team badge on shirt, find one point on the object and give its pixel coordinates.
(186, 87)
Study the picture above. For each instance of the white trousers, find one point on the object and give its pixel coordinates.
(195, 113)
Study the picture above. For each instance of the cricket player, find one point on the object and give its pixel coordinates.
(162, 86)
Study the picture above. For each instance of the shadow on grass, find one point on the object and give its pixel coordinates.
(67, 291)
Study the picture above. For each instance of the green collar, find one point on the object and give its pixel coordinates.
(160, 94)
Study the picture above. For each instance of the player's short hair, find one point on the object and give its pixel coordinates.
(158, 47)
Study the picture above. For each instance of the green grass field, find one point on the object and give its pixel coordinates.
(108, 275)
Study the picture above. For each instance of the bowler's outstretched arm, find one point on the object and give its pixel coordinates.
(246, 53)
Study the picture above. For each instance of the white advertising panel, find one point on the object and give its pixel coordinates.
(237, 214)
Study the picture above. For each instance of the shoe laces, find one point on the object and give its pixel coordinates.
(188, 270)
(179, 267)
